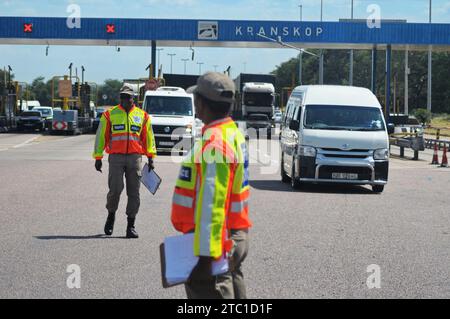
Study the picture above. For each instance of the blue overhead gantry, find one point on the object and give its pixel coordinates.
(388, 36)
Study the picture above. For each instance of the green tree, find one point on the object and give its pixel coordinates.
(110, 89)
(424, 116)
(41, 91)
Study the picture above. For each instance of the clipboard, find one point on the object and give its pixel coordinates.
(151, 180)
(162, 255)
(178, 261)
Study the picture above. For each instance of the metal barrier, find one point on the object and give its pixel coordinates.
(408, 140)
(429, 143)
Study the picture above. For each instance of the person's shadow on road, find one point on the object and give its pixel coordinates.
(91, 237)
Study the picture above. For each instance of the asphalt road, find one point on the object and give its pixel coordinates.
(315, 243)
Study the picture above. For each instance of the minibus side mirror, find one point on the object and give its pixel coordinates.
(294, 125)
(391, 128)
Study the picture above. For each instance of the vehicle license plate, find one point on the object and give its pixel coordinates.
(347, 176)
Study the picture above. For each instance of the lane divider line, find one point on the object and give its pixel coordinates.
(26, 142)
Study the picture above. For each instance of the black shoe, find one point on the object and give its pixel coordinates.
(109, 225)
(131, 231)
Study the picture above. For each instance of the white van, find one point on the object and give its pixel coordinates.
(173, 118)
(25, 105)
(334, 134)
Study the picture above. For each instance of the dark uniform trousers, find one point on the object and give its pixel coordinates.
(230, 285)
(130, 166)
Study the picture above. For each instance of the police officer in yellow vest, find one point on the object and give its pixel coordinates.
(211, 193)
(125, 132)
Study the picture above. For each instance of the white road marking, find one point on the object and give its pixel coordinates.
(26, 142)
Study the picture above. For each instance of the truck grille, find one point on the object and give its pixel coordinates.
(338, 153)
(161, 129)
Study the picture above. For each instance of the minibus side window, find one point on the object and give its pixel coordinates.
(286, 116)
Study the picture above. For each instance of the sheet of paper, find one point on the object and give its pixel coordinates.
(150, 180)
(180, 259)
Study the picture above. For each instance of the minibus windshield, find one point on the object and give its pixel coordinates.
(345, 118)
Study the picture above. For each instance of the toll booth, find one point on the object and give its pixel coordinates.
(74, 113)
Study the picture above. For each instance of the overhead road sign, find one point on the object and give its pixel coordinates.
(223, 33)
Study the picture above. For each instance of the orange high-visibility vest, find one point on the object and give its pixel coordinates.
(120, 132)
(212, 190)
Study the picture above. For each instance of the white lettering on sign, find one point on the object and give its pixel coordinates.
(308, 32)
(277, 31)
(274, 31)
(319, 31)
(261, 31)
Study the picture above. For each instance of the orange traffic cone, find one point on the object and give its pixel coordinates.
(435, 155)
(444, 157)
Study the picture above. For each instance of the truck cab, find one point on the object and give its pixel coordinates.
(334, 134)
(258, 98)
(173, 118)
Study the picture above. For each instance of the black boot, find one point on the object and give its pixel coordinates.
(131, 231)
(109, 225)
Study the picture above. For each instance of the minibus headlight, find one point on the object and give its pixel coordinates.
(307, 151)
(189, 129)
(381, 154)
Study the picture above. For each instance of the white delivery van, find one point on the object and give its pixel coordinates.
(334, 134)
(173, 118)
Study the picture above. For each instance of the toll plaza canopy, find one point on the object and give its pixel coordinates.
(222, 33)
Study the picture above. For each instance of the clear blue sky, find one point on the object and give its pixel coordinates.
(102, 63)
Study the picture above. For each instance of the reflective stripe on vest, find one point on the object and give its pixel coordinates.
(183, 201)
(125, 138)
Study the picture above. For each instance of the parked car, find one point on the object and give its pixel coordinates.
(31, 120)
(406, 124)
(277, 117)
(334, 134)
(47, 115)
(261, 123)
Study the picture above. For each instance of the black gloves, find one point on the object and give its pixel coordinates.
(151, 166)
(98, 165)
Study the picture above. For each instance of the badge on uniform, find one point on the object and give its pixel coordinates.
(120, 127)
(137, 119)
(135, 128)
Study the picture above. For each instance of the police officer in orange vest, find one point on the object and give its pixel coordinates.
(125, 132)
(212, 192)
